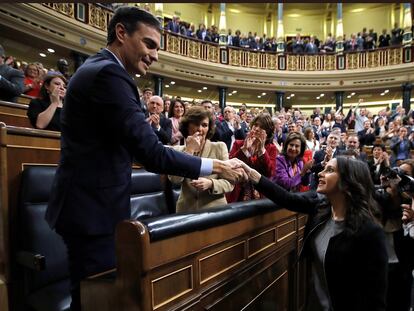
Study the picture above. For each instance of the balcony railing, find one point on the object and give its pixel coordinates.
(98, 16)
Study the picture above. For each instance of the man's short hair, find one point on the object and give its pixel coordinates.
(206, 101)
(148, 89)
(131, 17)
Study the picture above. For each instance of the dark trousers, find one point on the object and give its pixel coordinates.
(399, 288)
(88, 255)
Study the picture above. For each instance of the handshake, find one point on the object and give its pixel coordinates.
(235, 171)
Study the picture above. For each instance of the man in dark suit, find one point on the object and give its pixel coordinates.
(366, 136)
(103, 130)
(352, 144)
(379, 163)
(11, 80)
(162, 126)
(174, 25)
(230, 128)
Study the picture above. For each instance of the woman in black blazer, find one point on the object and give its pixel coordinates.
(345, 245)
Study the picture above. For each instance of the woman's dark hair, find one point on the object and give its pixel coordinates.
(356, 184)
(131, 18)
(43, 94)
(307, 132)
(264, 120)
(382, 146)
(195, 115)
(293, 136)
(410, 163)
(172, 105)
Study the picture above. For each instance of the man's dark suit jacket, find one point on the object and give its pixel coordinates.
(165, 131)
(11, 83)
(103, 129)
(226, 133)
(366, 139)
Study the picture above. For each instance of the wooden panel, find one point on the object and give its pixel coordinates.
(286, 230)
(219, 262)
(162, 290)
(259, 287)
(15, 119)
(261, 242)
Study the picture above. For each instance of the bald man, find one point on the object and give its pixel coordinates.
(162, 126)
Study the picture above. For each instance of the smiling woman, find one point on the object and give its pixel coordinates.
(345, 245)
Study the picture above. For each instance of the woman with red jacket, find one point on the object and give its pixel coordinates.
(258, 151)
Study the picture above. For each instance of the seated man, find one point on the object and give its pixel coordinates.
(11, 80)
(162, 126)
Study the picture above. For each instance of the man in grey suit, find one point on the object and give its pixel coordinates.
(11, 80)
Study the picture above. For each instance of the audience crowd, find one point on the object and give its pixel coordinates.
(363, 40)
(289, 147)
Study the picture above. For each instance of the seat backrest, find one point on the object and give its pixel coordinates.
(147, 195)
(35, 234)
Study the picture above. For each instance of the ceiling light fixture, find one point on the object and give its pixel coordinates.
(42, 54)
(230, 94)
(292, 95)
(288, 97)
(322, 95)
(353, 93)
(318, 97)
(204, 87)
(172, 82)
(263, 94)
(167, 85)
(386, 91)
(234, 92)
(349, 96)
(199, 91)
(382, 94)
(258, 96)
(51, 50)
(137, 75)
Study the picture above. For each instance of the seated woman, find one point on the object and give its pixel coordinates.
(343, 241)
(44, 112)
(197, 126)
(258, 151)
(290, 171)
(32, 81)
(175, 112)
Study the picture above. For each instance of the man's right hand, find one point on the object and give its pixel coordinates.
(232, 170)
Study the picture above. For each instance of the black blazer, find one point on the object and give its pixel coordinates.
(226, 133)
(356, 264)
(165, 131)
(103, 129)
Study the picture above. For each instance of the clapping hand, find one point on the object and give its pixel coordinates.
(194, 143)
(408, 212)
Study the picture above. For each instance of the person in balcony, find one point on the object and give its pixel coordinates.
(298, 45)
(177, 110)
(396, 35)
(384, 39)
(258, 151)
(311, 47)
(32, 82)
(174, 25)
(201, 32)
(44, 111)
(197, 127)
